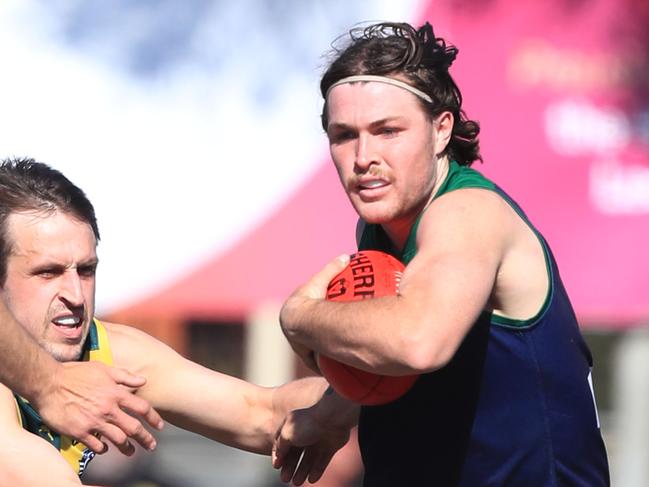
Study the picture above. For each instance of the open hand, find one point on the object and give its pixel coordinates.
(90, 400)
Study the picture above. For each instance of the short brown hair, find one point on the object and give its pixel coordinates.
(27, 185)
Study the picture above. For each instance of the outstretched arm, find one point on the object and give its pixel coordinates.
(215, 405)
(77, 399)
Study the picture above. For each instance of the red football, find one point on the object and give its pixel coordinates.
(369, 274)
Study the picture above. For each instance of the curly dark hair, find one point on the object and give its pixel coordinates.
(399, 50)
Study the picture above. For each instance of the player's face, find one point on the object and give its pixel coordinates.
(50, 285)
(384, 148)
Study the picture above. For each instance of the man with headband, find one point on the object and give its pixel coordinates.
(504, 396)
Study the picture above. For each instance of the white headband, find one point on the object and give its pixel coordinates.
(381, 79)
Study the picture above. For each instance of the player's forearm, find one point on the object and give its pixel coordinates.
(318, 324)
(379, 335)
(217, 406)
(244, 416)
(235, 424)
(26, 367)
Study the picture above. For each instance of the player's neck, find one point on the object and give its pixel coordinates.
(398, 231)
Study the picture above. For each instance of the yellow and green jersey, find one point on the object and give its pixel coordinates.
(76, 454)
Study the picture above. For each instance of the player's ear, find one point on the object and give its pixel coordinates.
(442, 130)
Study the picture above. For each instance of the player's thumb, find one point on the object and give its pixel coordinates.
(280, 449)
(332, 269)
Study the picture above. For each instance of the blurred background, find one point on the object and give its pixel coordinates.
(194, 129)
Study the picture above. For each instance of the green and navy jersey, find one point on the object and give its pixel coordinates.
(513, 407)
(75, 453)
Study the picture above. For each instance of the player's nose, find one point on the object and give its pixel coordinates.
(365, 152)
(71, 290)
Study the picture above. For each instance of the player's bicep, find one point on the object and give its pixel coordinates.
(453, 274)
(21, 450)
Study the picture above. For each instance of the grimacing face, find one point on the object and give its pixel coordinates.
(50, 285)
(384, 148)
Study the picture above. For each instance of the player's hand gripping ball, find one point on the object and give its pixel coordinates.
(369, 274)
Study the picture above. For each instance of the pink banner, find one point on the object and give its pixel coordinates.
(560, 88)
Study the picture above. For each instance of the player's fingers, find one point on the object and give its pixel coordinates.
(94, 443)
(134, 429)
(139, 406)
(126, 378)
(118, 438)
(273, 457)
(291, 461)
(276, 457)
(304, 468)
(281, 447)
(319, 466)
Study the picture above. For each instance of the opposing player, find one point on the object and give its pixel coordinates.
(504, 397)
(78, 399)
(48, 237)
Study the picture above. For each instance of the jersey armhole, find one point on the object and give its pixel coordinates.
(505, 322)
(101, 352)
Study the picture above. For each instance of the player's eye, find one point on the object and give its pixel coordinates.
(48, 272)
(389, 131)
(87, 270)
(342, 136)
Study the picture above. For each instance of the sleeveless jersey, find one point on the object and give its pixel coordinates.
(75, 453)
(514, 407)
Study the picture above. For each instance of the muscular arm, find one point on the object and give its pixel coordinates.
(74, 398)
(461, 242)
(201, 400)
